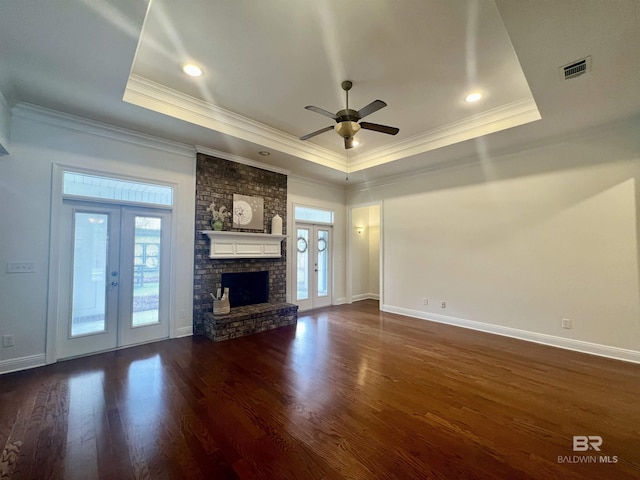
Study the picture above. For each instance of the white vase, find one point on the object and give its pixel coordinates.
(276, 225)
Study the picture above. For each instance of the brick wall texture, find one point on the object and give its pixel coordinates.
(216, 181)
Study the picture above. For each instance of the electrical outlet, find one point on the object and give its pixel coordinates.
(8, 340)
(566, 323)
(425, 301)
(21, 267)
(443, 305)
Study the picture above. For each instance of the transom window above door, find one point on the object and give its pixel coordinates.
(83, 185)
(313, 215)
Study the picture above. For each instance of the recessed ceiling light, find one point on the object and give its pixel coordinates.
(264, 153)
(473, 97)
(192, 70)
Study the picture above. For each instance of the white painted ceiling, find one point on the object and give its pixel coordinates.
(118, 61)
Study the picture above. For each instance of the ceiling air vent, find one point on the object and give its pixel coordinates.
(576, 68)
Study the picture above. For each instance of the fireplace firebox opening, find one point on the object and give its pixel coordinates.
(246, 288)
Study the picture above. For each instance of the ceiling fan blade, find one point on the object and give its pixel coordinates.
(379, 128)
(372, 107)
(348, 143)
(317, 132)
(321, 111)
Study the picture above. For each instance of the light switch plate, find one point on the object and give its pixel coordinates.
(21, 267)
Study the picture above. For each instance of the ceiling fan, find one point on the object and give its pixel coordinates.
(347, 120)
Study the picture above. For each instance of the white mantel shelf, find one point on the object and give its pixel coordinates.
(243, 244)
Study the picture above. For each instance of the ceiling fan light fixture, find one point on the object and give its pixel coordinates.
(347, 129)
(192, 70)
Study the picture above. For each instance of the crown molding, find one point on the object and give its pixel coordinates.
(92, 127)
(238, 159)
(500, 118)
(154, 96)
(627, 127)
(314, 183)
(148, 94)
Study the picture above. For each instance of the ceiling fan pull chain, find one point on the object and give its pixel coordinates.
(347, 179)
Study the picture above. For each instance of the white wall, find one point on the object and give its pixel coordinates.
(316, 194)
(364, 253)
(515, 244)
(5, 118)
(41, 139)
(359, 253)
(374, 251)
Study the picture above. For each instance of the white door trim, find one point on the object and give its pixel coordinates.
(53, 293)
(313, 301)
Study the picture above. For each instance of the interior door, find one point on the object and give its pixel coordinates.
(114, 277)
(313, 266)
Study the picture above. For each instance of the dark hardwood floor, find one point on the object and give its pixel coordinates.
(349, 393)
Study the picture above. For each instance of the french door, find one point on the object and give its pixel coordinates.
(313, 266)
(113, 277)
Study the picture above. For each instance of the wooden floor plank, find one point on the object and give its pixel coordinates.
(350, 393)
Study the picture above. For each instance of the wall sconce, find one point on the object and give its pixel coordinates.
(359, 230)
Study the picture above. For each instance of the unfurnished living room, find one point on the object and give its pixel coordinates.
(284, 239)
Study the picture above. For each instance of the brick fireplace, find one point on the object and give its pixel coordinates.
(216, 181)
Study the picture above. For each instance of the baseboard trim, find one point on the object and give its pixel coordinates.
(184, 331)
(22, 363)
(340, 301)
(600, 350)
(365, 296)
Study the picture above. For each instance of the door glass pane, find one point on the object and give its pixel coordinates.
(146, 271)
(323, 262)
(90, 247)
(302, 263)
